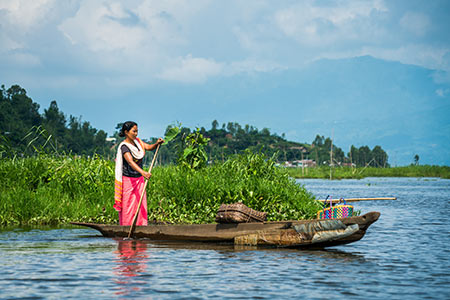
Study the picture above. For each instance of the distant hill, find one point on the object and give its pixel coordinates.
(358, 101)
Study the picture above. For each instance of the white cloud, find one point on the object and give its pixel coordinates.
(180, 10)
(192, 70)
(314, 25)
(153, 38)
(416, 23)
(25, 14)
(141, 37)
(20, 18)
(8, 43)
(97, 27)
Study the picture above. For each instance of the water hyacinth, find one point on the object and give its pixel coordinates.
(58, 189)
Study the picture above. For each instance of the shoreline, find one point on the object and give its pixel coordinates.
(337, 173)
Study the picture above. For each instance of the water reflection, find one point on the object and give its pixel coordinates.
(335, 255)
(132, 258)
(134, 252)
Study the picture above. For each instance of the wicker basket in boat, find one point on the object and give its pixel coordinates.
(239, 213)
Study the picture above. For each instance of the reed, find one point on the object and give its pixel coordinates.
(47, 189)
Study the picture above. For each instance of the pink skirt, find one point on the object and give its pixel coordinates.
(131, 194)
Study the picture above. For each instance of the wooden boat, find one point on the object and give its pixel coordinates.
(294, 234)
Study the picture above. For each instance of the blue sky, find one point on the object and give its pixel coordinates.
(366, 72)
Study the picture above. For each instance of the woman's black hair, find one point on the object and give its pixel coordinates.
(126, 127)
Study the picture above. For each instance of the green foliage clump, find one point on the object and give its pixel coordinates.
(194, 155)
(59, 189)
(184, 195)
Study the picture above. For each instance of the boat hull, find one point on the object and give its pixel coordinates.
(295, 234)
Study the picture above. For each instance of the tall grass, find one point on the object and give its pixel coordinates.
(52, 190)
(58, 189)
(358, 173)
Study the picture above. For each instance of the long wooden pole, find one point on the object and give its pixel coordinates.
(133, 225)
(360, 199)
(331, 155)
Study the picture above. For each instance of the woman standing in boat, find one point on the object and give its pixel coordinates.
(130, 176)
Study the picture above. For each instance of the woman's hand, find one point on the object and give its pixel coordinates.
(153, 146)
(146, 175)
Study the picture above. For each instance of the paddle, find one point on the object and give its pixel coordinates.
(171, 134)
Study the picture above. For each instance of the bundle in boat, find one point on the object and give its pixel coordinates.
(239, 213)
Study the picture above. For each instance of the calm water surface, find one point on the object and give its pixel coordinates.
(405, 254)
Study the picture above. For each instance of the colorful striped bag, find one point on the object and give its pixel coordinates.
(335, 212)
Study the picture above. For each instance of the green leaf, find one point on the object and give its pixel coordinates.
(171, 133)
(187, 151)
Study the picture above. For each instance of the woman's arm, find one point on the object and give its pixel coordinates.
(150, 147)
(135, 166)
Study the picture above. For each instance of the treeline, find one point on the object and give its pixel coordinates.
(320, 151)
(232, 138)
(23, 129)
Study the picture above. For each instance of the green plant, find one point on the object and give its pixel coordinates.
(194, 155)
(48, 189)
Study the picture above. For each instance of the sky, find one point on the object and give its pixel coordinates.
(362, 72)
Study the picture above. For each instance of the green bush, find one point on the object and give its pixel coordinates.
(59, 189)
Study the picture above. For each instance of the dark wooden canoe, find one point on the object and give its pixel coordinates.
(295, 234)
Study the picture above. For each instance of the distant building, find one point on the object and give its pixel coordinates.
(307, 163)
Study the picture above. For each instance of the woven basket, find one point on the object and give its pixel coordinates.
(335, 212)
(239, 213)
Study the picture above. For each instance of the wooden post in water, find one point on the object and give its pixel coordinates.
(303, 165)
(331, 155)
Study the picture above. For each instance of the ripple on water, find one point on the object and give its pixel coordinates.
(405, 252)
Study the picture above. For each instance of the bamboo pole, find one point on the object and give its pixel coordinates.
(360, 199)
(133, 224)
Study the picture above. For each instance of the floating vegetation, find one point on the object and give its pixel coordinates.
(50, 189)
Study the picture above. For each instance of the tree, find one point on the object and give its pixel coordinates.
(318, 141)
(265, 132)
(354, 155)
(379, 156)
(54, 121)
(21, 126)
(214, 125)
(18, 115)
(364, 156)
(416, 159)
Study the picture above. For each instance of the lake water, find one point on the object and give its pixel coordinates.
(405, 254)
